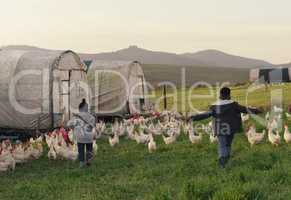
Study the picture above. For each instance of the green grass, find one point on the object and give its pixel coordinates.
(179, 171)
(259, 98)
(157, 73)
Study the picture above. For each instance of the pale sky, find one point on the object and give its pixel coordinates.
(252, 28)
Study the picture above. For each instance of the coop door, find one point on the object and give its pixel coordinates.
(66, 99)
(142, 93)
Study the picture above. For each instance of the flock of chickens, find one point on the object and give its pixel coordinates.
(168, 125)
(62, 145)
(273, 126)
(12, 154)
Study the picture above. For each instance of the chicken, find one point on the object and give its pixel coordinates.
(254, 137)
(100, 128)
(267, 116)
(287, 135)
(277, 109)
(142, 138)
(213, 138)
(156, 130)
(273, 125)
(4, 166)
(195, 139)
(39, 139)
(169, 140)
(130, 130)
(19, 154)
(114, 140)
(60, 150)
(209, 130)
(245, 117)
(31, 141)
(152, 144)
(7, 160)
(275, 139)
(121, 129)
(71, 153)
(95, 147)
(48, 139)
(34, 151)
(52, 155)
(187, 127)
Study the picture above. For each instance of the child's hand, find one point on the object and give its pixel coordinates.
(187, 119)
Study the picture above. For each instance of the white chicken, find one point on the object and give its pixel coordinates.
(35, 151)
(267, 116)
(6, 160)
(213, 138)
(245, 117)
(195, 139)
(19, 154)
(141, 138)
(130, 134)
(287, 135)
(277, 109)
(273, 125)
(121, 129)
(254, 137)
(169, 140)
(274, 139)
(95, 147)
(152, 144)
(113, 141)
(209, 130)
(71, 153)
(4, 166)
(52, 155)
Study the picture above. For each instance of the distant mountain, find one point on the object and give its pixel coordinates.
(146, 57)
(21, 47)
(221, 59)
(207, 58)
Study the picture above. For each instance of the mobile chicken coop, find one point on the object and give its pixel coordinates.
(39, 89)
(118, 88)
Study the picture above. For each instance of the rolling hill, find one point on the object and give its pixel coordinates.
(207, 58)
(221, 59)
(146, 57)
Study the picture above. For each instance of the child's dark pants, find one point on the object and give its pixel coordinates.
(224, 148)
(89, 152)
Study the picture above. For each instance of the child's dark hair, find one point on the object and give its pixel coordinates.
(82, 104)
(225, 93)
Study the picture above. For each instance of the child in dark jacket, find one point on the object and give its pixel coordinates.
(227, 121)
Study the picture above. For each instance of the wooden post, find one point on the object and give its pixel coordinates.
(69, 94)
(165, 97)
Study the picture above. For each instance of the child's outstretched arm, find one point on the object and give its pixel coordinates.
(244, 109)
(201, 116)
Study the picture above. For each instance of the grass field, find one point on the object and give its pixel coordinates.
(157, 73)
(179, 171)
(261, 97)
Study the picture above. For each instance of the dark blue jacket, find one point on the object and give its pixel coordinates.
(226, 116)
